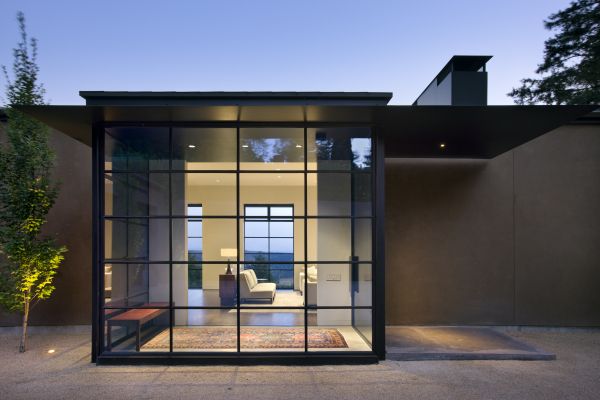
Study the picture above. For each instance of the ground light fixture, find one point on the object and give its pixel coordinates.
(51, 351)
(192, 146)
(442, 145)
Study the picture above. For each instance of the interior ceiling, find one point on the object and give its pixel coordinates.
(248, 179)
(408, 131)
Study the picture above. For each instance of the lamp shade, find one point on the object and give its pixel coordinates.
(228, 253)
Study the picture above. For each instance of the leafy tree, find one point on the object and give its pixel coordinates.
(570, 72)
(29, 260)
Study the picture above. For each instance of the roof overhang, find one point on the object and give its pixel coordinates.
(409, 131)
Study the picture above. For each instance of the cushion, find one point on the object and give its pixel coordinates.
(312, 273)
(253, 278)
(263, 291)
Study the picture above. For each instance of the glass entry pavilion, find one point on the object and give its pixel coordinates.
(231, 241)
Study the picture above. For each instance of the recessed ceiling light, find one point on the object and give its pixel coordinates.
(218, 181)
(299, 146)
(192, 146)
(51, 351)
(245, 146)
(442, 145)
(279, 176)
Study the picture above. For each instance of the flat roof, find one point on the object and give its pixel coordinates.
(408, 131)
(105, 98)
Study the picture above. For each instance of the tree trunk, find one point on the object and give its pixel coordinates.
(23, 344)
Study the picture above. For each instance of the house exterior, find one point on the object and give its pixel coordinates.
(293, 226)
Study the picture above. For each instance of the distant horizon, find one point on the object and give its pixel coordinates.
(322, 46)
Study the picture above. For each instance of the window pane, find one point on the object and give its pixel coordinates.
(136, 148)
(217, 234)
(256, 211)
(195, 246)
(121, 334)
(272, 148)
(339, 148)
(282, 228)
(195, 211)
(256, 228)
(339, 194)
(271, 188)
(215, 192)
(264, 330)
(202, 330)
(282, 211)
(253, 245)
(136, 239)
(136, 194)
(204, 148)
(194, 228)
(282, 249)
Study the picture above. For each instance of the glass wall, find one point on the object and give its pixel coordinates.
(237, 239)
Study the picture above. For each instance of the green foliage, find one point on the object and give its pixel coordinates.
(28, 260)
(570, 72)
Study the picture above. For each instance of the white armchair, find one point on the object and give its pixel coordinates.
(311, 285)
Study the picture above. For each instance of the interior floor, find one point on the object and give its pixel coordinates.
(210, 298)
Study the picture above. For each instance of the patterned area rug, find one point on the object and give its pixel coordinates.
(251, 338)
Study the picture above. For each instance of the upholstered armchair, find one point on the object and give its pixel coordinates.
(311, 285)
(250, 289)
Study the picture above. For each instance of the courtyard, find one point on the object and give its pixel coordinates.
(67, 373)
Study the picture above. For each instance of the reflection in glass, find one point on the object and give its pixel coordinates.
(136, 148)
(339, 194)
(272, 148)
(136, 194)
(339, 148)
(204, 148)
(338, 239)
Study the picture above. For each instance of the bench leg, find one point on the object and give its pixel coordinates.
(108, 336)
(137, 337)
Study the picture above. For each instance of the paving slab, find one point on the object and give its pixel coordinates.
(414, 343)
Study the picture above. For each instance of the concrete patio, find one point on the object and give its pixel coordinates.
(414, 343)
(67, 374)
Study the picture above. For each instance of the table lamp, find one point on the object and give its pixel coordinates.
(229, 253)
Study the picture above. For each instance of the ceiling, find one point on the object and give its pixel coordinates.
(408, 131)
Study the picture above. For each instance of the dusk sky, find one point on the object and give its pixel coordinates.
(396, 46)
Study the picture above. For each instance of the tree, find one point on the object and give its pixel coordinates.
(570, 72)
(29, 260)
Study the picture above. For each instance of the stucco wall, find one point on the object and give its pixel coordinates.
(71, 223)
(514, 240)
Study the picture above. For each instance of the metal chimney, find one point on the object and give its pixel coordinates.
(462, 82)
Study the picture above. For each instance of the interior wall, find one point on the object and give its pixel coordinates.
(509, 241)
(219, 234)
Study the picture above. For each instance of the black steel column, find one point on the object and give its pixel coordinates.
(379, 249)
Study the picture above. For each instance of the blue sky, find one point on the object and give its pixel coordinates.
(396, 46)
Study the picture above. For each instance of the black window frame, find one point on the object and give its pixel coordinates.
(377, 325)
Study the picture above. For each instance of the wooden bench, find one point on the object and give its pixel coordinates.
(138, 317)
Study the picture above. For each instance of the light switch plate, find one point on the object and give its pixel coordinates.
(334, 277)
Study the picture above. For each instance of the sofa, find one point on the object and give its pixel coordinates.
(311, 285)
(251, 289)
